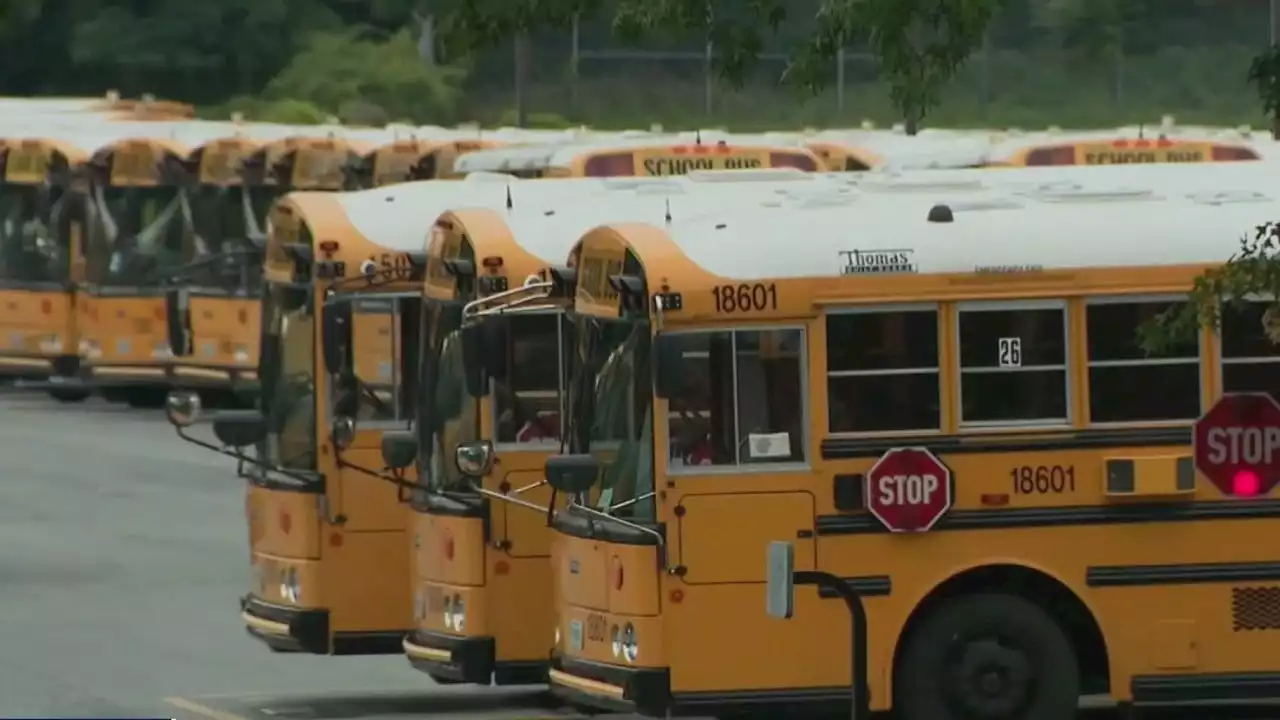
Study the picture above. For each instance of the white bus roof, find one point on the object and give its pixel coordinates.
(1099, 223)
(549, 216)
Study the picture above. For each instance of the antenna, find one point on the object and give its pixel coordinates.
(668, 214)
(509, 204)
(1141, 131)
(697, 137)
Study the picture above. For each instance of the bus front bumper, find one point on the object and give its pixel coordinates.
(468, 660)
(611, 688)
(125, 375)
(286, 629)
(212, 376)
(25, 366)
(306, 630)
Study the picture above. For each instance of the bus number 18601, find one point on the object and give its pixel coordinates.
(1043, 479)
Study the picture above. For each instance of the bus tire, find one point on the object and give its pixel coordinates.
(69, 395)
(987, 657)
(442, 680)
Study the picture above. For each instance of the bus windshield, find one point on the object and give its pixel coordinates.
(227, 221)
(616, 412)
(31, 247)
(288, 377)
(449, 415)
(136, 234)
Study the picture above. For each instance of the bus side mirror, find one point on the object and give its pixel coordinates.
(177, 311)
(399, 448)
(337, 335)
(572, 474)
(240, 428)
(669, 371)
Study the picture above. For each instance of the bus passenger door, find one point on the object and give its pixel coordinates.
(738, 480)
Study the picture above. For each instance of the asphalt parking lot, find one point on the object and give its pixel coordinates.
(122, 553)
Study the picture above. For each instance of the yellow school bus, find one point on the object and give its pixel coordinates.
(481, 576)
(409, 159)
(137, 233)
(40, 238)
(846, 151)
(1097, 149)
(327, 540)
(636, 157)
(1065, 545)
(223, 271)
(327, 524)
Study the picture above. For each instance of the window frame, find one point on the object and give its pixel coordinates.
(939, 368)
(1223, 361)
(738, 468)
(397, 364)
(1198, 360)
(1060, 304)
(562, 366)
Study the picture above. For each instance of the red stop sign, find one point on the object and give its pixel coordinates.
(1237, 444)
(908, 489)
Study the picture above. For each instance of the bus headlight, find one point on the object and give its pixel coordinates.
(161, 351)
(615, 642)
(290, 587)
(241, 354)
(51, 345)
(474, 457)
(459, 614)
(556, 641)
(630, 649)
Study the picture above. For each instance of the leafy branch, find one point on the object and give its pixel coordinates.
(1251, 272)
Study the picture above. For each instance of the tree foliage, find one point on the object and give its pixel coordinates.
(344, 71)
(918, 45)
(210, 52)
(1254, 271)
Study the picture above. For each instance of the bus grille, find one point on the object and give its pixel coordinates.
(1255, 608)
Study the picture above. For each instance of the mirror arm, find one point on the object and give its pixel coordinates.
(527, 488)
(179, 273)
(242, 459)
(356, 285)
(398, 482)
(475, 487)
(625, 523)
(632, 501)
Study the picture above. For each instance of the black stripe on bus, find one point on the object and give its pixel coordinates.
(865, 524)
(1186, 574)
(1086, 439)
(1205, 687)
(866, 585)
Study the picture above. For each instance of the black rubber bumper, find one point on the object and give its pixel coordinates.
(307, 631)
(644, 690)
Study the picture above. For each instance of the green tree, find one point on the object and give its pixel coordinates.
(350, 75)
(1253, 271)
(918, 45)
(1264, 75)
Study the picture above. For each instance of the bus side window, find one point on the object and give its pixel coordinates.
(527, 400)
(1013, 363)
(1248, 356)
(1125, 383)
(743, 402)
(882, 370)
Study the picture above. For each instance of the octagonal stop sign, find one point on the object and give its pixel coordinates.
(1237, 444)
(908, 489)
